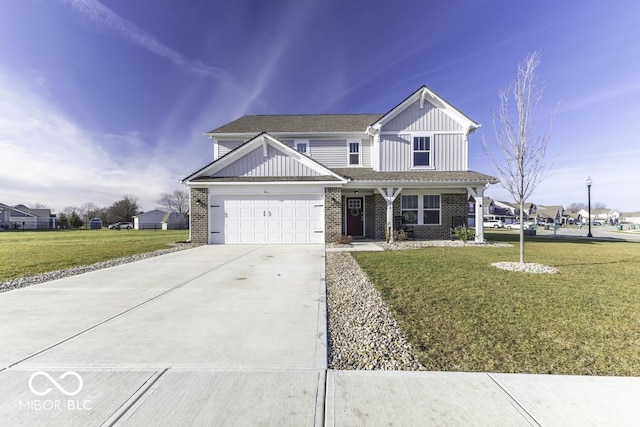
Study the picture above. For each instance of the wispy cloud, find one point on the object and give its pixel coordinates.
(105, 17)
(46, 157)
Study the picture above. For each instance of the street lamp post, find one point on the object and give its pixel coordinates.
(589, 182)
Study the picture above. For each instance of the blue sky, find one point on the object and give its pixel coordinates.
(103, 99)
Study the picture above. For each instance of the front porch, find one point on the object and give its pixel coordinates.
(365, 213)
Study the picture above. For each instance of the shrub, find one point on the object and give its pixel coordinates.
(344, 240)
(464, 233)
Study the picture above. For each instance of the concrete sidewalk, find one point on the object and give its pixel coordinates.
(479, 399)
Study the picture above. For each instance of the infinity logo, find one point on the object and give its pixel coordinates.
(55, 383)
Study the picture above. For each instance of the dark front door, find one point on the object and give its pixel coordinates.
(355, 216)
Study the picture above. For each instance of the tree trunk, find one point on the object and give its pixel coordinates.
(522, 231)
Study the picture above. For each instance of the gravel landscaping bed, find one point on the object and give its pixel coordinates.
(362, 333)
(59, 274)
(398, 246)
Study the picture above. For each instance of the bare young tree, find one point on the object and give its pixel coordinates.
(177, 202)
(38, 205)
(520, 165)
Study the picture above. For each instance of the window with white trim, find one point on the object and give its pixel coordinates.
(421, 209)
(421, 151)
(354, 149)
(302, 145)
(431, 204)
(410, 209)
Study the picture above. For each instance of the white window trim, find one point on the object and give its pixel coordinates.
(354, 141)
(297, 142)
(430, 135)
(421, 207)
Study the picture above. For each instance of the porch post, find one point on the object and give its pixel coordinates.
(478, 194)
(389, 196)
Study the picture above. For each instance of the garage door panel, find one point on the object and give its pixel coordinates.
(252, 219)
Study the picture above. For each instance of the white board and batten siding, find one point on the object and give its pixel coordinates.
(276, 164)
(275, 214)
(448, 144)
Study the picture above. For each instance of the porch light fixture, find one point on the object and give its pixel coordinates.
(589, 182)
(200, 202)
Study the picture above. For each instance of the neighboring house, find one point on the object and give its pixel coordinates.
(599, 214)
(174, 221)
(312, 178)
(23, 218)
(509, 212)
(551, 214)
(149, 220)
(630, 217)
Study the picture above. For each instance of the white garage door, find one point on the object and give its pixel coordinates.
(267, 219)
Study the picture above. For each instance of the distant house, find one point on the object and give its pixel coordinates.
(631, 217)
(599, 214)
(551, 214)
(23, 218)
(174, 221)
(509, 212)
(151, 220)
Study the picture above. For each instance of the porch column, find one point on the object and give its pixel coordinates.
(389, 196)
(478, 194)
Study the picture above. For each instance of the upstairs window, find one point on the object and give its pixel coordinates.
(421, 151)
(302, 146)
(354, 152)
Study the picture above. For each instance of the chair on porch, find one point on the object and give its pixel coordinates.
(457, 221)
(400, 224)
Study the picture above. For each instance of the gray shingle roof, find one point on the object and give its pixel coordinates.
(368, 174)
(264, 178)
(299, 123)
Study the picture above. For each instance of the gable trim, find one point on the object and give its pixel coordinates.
(424, 94)
(263, 140)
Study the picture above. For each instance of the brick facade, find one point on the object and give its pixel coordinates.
(452, 205)
(199, 215)
(332, 214)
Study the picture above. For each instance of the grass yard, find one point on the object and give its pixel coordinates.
(462, 314)
(28, 253)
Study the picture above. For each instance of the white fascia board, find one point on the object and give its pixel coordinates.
(245, 136)
(266, 183)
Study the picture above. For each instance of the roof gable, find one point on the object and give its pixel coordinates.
(264, 156)
(425, 95)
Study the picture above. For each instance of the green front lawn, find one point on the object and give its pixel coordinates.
(33, 252)
(462, 314)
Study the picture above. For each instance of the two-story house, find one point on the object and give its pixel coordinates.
(312, 178)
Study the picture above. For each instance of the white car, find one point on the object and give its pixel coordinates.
(493, 223)
(516, 226)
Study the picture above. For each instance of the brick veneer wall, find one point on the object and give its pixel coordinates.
(199, 215)
(452, 205)
(369, 217)
(332, 214)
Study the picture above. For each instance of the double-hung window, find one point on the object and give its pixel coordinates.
(421, 209)
(410, 209)
(354, 149)
(302, 145)
(421, 151)
(431, 204)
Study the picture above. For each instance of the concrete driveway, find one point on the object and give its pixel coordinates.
(207, 336)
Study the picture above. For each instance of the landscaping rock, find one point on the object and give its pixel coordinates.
(362, 333)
